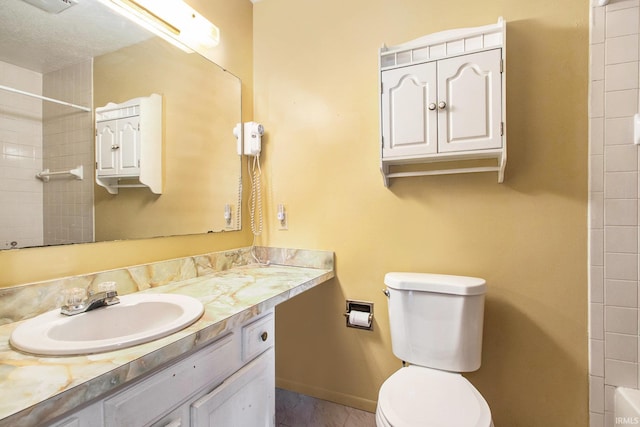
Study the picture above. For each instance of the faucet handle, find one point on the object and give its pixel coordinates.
(73, 296)
(107, 287)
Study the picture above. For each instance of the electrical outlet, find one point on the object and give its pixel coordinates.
(282, 217)
(228, 216)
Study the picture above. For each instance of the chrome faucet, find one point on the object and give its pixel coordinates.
(78, 300)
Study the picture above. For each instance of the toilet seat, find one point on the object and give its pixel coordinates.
(424, 397)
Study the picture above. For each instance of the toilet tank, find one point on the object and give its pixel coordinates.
(436, 320)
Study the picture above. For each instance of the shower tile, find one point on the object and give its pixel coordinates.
(596, 284)
(622, 4)
(596, 247)
(621, 76)
(621, 22)
(621, 293)
(618, 131)
(621, 239)
(621, 266)
(620, 212)
(596, 321)
(621, 374)
(621, 185)
(596, 105)
(621, 158)
(596, 177)
(597, 32)
(609, 392)
(596, 393)
(596, 210)
(621, 49)
(597, 61)
(596, 136)
(621, 103)
(596, 357)
(620, 320)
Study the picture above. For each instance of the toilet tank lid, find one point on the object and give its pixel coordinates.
(438, 283)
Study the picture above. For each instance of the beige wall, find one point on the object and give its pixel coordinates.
(315, 70)
(234, 18)
(201, 166)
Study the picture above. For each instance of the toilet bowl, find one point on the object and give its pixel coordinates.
(436, 324)
(416, 396)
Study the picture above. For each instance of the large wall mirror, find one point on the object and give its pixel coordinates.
(89, 56)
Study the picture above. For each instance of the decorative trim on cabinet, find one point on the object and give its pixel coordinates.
(430, 122)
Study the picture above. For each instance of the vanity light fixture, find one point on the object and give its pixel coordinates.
(173, 20)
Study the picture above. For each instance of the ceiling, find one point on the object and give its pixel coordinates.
(40, 41)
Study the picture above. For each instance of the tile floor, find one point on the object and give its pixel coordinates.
(297, 410)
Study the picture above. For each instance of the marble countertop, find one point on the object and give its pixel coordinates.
(36, 388)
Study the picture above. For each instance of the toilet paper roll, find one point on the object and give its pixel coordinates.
(359, 318)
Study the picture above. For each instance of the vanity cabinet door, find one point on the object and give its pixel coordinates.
(90, 416)
(408, 109)
(470, 102)
(247, 398)
(153, 398)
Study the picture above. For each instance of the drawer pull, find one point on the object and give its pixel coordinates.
(264, 336)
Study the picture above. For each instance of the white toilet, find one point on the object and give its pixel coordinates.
(436, 328)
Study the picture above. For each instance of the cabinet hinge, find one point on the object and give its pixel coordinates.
(381, 87)
(501, 128)
(501, 66)
(96, 165)
(138, 162)
(138, 126)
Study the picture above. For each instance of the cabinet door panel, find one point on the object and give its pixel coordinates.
(247, 398)
(106, 134)
(408, 126)
(471, 87)
(143, 403)
(129, 151)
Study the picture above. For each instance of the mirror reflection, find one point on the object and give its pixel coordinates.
(81, 56)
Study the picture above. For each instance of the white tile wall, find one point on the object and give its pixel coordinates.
(36, 136)
(68, 141)
(614, 191)
(20, 159)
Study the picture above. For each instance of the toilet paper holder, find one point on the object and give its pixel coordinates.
(362, 317)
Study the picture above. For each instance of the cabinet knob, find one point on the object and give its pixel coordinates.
(264, 336)
(115, 146)
(442, 105)
(432, 106)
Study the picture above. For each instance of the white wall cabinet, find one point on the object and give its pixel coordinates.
(229, 382)
(129, 144)
(442, 99)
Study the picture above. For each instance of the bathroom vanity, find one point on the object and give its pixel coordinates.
(220, 368)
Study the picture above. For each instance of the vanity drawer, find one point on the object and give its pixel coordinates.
(139, 404)
(257, 337)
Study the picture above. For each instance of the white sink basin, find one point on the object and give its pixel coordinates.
(137, 319)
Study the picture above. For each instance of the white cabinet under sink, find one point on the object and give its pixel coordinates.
(228, 382)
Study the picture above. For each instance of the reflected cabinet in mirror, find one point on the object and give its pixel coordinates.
(82, 58)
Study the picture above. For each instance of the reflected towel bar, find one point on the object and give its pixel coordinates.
(45, 174)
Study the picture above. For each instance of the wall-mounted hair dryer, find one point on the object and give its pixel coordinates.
(253, 138)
